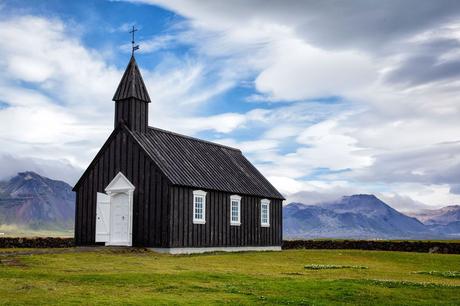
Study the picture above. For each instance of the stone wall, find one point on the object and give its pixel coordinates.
(387, 245)
(46, 242)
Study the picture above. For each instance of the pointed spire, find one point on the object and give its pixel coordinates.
(131, 84)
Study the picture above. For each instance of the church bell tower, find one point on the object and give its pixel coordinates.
(132, 99)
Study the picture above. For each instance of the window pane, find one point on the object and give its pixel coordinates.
(199, 208)
(264, 213)
(234, 211)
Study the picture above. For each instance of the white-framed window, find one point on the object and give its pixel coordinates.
(235, 210)
(199, 207)
(265, 212)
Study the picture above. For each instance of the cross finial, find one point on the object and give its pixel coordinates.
(134, 47)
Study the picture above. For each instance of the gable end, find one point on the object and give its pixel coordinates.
(121, 128)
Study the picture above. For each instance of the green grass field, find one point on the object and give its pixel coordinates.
(15, 231)
(295, 277)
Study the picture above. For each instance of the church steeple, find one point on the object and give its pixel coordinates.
(131, 99)
(131, 84)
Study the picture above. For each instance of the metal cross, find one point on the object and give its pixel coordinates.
(134, 47)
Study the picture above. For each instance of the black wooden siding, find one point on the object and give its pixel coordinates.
(133, 112)
(157, 163)
(163, 212)
(217, 232)
(150, 200)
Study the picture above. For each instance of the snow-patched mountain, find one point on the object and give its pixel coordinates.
(32, 201)
(357, 216)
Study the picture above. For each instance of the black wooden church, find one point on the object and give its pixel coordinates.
(173, 193)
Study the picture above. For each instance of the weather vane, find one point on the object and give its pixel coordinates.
(134, 47)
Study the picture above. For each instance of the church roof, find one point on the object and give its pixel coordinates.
(193, 162)
(131, 84)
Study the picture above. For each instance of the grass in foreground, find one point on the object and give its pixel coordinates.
(109, 277)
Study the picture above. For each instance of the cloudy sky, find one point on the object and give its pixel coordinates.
(326, 98)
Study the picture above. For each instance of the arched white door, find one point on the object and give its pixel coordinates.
(120, 219)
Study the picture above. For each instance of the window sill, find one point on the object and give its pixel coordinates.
(265, 225)
(235, 223)
(199, 222)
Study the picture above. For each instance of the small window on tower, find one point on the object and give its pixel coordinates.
(199, 207)
(235, 210)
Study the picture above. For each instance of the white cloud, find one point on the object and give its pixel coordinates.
(431, 195)
(222, 123)
(325, 140)
(300, 71)
(58, 95)
(262, 145)
(391, 124)
(304, 49)
(52, 168)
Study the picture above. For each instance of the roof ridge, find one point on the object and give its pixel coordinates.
(194, 138)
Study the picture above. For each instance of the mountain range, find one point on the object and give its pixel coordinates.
(366, 217)
(31, 201)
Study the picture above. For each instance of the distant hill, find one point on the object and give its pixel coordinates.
(31, 201)
(445, 221)
(358, 216)
(441, 216)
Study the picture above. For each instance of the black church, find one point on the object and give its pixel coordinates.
(173, 193)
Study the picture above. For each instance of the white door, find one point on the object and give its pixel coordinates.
(120, 220)
(102, 218)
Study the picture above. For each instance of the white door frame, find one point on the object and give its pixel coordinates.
(120, 184)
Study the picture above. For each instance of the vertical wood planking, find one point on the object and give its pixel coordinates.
(78, 217)
(167, 208)
(159, 211)
(135, 182)
(122, 154)
(163, 214)
(186, 216)
(85, 212)
(152, 205)
(146, 184)
(141, 199)
(217, 230)
(189, 218)
(180, 216)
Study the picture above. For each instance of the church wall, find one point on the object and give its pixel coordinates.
(217, 231)
(150, 199)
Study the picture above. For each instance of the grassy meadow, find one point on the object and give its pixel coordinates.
(9, 230)
(319, 277)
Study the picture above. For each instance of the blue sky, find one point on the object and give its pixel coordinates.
(325, 98)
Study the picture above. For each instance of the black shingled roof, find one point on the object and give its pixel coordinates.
(131, 84)
(193, 162)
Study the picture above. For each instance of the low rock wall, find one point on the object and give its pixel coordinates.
(45, 242)
(386, 245)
